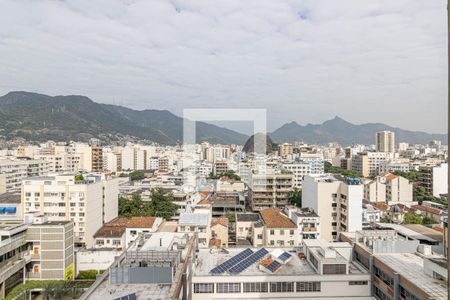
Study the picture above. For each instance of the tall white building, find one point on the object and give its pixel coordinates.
(338, 202)
(434, 179)
(315, 160)
(13, 171)
(298, 170)
(88, 203)
(385, 141)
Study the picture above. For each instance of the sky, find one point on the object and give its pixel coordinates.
(304, 61)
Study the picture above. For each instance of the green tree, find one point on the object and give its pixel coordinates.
(412, 218)
(137, 175)
(79, 177)
(412, 175)
(161, 205)
(230, 175)
(428, 221)
(295, 197)
(329, 168)
(231, 217)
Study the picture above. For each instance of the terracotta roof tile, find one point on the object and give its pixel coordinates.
(273, 218)
(215, 242)
(221, 221)
(117, 226)
(431, 210)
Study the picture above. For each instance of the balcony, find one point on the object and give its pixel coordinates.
(11, 244)
(309, 229)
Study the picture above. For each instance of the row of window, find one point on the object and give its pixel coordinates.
(272, 232)
(258, 287)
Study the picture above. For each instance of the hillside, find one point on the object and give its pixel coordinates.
(40, 117)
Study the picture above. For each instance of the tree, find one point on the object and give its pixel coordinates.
(412, 218)
(420, 195)
(230, 175)
(329, 168)
(137, 175)
(79, 177)
(412, 175)
(161, 205)
(428, 221)
(295, 197)
(231, 217)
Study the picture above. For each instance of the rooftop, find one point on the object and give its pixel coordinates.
(410, 266)
(116, 227)
(249, 217)
(10, 197)
(273, 218)
(194, 219)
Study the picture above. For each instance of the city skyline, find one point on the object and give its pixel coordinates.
(386, 56)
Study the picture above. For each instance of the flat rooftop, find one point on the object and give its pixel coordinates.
(410, 266)
(295, 266)
(143, 291)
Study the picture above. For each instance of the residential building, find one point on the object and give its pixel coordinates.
(97, 159)
(249, 229)
(338, 202)
(315, 160)
(307, 221)
(219, 232)
(279, 230)
(13, 171)
(286, 150)
(121, 232)
(220, 167)
(368, 163)
(196, 223)
(89, 203)
(388, 188)
(385, 141)
(298, 170)
(269, 190)
(400, 268)
(434, 179)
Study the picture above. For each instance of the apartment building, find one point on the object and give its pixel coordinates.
(97, 159)
(400, 268)
(298, 170)
(249, 229)
(368, 163)
(13, 171)
(220, 167)
(89, 203)
(121, 232)
(279, 230)
(434, 179)
(52, 249)
(219, 232)
(285, 150)
(388, 188)
(307, 221)
(322, 270)
(315, 160)
(385, 141)
(197, 222)
(394, 166)
(269, 190)
(34, 250)
(338, 202)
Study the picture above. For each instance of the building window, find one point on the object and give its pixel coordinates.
(256, 287)
(227, 287)
(281, 232)
(272, 232)
(305, 286)
(291, 232)
(383, 276)
(335, 269)
(116, 242)
(100, 242)
(203, 288)
(314, 261)
(260, 236)
(281, 287)
(360, 282)
(407, 295)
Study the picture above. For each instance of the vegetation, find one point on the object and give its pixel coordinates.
(412, 176)
(420, 195)
(231, 217)
(428, 221)
(412, 218)
(123, 175)
(79, 177)
(89, 274)
(329, 168)
(52, 289)
(137, 175)
(161, 205)
(295, 197)
(230, 175)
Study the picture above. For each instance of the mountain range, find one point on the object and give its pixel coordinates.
(40, 117)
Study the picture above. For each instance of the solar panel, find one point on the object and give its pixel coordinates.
(232, 261)
(258, 255)
(274, 266)
(284, 256)
(127, 297)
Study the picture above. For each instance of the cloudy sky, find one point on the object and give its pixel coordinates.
(305, 61)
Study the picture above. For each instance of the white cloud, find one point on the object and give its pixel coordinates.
(307, 61)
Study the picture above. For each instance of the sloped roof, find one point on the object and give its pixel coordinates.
(220, 221)
(117, 226)
(273, 218)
